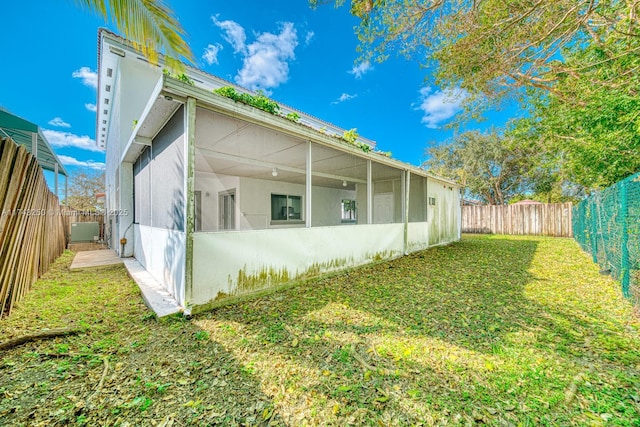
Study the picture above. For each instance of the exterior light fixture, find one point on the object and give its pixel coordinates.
(344, 183)
(274, 172)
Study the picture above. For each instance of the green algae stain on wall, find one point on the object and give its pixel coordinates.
(268, 277)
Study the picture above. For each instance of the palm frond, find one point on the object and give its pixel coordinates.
(149, 24)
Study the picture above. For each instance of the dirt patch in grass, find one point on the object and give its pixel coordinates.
(493, 329)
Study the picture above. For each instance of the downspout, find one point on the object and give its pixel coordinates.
(190, 132)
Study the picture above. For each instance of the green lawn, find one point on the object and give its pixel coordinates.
(493, 329)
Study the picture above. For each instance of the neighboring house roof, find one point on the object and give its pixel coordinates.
(528, 202)
(471, 202)
(23, 132)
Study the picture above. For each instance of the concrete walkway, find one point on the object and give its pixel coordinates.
(93, 259)
(154, 295)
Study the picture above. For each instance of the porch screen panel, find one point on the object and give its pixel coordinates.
(339, 188)
(418, 199)
(167, 175)
(142, 188)
(387, 194)
(264, 167)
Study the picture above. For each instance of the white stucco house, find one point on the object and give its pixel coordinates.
(216, 198)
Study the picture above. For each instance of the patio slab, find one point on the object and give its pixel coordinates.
(93, 259)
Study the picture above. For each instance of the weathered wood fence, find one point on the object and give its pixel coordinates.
(553, 219)
(33, 232)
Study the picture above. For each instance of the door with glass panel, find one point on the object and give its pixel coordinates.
(227, 210)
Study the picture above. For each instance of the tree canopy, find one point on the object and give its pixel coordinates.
(83, 189)
(491, 46)
(574, 64)
(490, 166)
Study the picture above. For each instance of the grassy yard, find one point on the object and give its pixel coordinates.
(493, 329)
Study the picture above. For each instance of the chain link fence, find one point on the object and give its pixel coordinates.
(607, 226)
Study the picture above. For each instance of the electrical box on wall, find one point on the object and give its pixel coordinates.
(85, 232)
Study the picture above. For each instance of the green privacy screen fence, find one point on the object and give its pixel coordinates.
(607, 226)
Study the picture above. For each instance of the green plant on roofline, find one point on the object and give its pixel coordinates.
(294, 117)
(351, 136)
(258, 100)
(181, 77)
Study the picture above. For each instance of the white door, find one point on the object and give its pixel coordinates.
(383, 208)
(227, 210)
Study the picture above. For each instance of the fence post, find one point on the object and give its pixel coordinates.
(594, 228)
(624, 252)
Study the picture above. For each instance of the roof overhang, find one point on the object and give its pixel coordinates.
(169, 94)
(30, 136)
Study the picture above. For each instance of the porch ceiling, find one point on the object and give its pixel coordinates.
(229, 146)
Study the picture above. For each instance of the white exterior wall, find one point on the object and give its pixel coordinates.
(160, 237)
(235, 263)
(444, 217)
(253, 202)
(417, 236)
(210, 185)
(161, 252)
(132, 83)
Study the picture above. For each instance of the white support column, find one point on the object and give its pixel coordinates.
(190, 133)
(66, 190)
(34, 144)
(125, 209)
(308, 187)
(369, 194)
(406, 181)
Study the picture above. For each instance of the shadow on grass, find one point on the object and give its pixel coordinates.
(449, 329)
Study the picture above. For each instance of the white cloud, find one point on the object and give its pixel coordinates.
(266, 60)
(233, 33)
(70, 161)
(88, 76)
(67, 139)
(210, 54)
(361, 69)
(440, 106)
(57, 121)
(91, 107)
(308, 37)
(344, 97)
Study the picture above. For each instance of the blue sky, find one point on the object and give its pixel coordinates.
(301, 57)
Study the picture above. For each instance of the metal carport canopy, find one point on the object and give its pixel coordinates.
(22, 132)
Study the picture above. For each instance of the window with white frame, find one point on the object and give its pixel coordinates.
(285, 207)
(349, 214)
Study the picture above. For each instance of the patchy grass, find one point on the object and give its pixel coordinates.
(493, 329)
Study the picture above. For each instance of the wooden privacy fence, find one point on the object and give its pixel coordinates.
(552, 219)
(33, 232)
